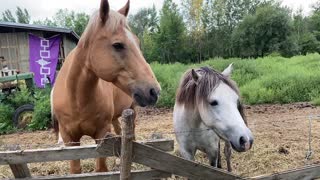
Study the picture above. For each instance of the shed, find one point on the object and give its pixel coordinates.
(14, 43)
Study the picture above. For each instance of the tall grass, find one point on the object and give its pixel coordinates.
(271, 79)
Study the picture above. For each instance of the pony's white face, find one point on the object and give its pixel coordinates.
(221, 112)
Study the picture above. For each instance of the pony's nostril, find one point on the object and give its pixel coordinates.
(242, 141)
(251, 141)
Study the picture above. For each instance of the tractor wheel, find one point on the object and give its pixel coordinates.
(23, 116)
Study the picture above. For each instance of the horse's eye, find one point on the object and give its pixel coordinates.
(214, 103)
(118, 46)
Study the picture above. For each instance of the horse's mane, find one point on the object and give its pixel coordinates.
(112, 24)
(190, 91)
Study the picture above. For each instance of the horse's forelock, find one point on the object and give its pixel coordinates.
(115, 20)
(190, 92)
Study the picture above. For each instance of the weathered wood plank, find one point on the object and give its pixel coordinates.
(305, 173)
(65, 153)
(160, 160)
(136, 175)
(19, 170)
(127, 136)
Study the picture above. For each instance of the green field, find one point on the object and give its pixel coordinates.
(263, 80)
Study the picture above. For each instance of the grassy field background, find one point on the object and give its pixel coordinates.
(271, 79)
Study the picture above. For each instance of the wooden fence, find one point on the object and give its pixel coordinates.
(152, 154)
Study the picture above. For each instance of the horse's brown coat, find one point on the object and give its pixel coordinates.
(96, 82)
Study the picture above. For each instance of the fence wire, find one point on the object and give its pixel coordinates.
(252, 124)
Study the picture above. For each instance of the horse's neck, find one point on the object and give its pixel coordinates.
(82, 81)
(192, 118)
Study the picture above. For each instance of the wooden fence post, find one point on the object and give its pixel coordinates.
(126, 143)
(19, 170)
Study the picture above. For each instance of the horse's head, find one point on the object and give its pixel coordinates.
(217, 100)
(114, 55)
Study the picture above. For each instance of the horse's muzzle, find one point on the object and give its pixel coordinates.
(148, 97)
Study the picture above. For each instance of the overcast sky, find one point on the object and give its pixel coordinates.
(40, 9)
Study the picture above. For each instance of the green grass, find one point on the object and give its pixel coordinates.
(272, 79)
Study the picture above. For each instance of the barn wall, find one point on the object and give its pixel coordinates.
(68, 44)
(14, 47)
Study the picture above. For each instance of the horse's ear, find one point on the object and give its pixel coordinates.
(125, 10)
(195, 76)
(104, 11)
(228, 71)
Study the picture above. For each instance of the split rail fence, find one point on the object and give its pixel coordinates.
(153, 154)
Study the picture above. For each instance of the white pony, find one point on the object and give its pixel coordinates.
(208, 109)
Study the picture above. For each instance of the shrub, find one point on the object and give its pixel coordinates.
(42, 111)
(6, 112)
(20, 98)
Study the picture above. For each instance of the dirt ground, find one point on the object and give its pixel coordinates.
(280, 131)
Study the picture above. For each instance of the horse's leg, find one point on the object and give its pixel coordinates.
(213, 155)
(187, 152)
(227, 153)
(101, 165)
(75, 166)
(219, 155)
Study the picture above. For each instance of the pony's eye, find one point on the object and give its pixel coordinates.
(214, 103)
(118, 46)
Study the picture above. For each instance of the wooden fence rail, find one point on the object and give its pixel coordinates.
(151, 154)
(67, 153)
(305, 173)
(163, 161)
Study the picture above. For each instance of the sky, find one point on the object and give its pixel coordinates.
(40, 9)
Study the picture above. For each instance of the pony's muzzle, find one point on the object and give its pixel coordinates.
(243, 144)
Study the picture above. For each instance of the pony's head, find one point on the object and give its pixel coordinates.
(112, 53)
(216, 97)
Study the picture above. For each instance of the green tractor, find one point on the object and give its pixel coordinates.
(9, 84)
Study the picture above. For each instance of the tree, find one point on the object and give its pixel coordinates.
(268, 30)
(193, 10)
(7, 16)
(46, 22)
(145, 20)
(145, 24)
(22, 16)
(171, 37)
(67, 19)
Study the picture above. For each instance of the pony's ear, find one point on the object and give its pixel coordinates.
(195, 76)
(228, 71)
(125, 10)
(104, 11)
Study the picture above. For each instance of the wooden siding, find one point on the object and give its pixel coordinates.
(14, 47)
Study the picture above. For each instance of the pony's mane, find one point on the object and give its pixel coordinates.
(190, 91)
(112, 24)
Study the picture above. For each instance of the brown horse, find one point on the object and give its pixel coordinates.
(105, 74)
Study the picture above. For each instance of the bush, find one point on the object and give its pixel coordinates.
(6, 112)
(42, 111)
(20, 98)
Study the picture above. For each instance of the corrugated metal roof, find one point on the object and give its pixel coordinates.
(39, 28)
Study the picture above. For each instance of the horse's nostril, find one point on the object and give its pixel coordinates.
(153, 93)
(242, 141)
